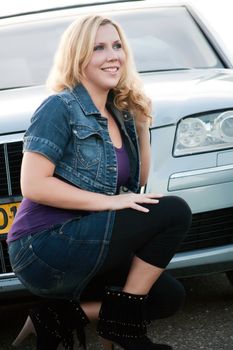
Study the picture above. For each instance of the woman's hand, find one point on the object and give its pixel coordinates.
(134, 201)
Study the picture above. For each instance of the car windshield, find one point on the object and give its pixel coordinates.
(161, 39)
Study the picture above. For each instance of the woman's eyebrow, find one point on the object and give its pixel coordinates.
(103, 43)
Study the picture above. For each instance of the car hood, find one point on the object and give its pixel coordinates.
(175, 94)
(17, 107)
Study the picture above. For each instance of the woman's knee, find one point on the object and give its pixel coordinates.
(179, 211)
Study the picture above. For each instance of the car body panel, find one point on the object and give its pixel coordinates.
(181, 93)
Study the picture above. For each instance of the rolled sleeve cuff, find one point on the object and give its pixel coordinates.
(43, 146)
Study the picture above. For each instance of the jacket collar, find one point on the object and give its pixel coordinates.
(84, 100)
(89, 108)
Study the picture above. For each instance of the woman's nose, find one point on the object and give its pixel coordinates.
(112, 55)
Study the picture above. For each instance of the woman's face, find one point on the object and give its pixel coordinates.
(104, 70)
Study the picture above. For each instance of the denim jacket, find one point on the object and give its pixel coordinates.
(69, 130)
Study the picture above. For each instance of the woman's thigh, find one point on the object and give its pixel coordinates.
(133, 230)
(62, 258)
(129, 223)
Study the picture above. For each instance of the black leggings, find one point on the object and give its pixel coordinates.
(154, 237)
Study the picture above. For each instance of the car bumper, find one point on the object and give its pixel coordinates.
(202, 261)
(11, 287)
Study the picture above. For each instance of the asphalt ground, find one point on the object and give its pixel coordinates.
(205, 321)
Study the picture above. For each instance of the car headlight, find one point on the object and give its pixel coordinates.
(204, 133)
(224, 125)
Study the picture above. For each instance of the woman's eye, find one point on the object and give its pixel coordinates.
(117, 46)
(98, 47)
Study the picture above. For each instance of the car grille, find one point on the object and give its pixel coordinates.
(10, 163)
(4, 258)
(209, 229)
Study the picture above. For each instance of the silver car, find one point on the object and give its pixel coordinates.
(190, 81)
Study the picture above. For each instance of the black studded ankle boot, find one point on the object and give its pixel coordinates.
(55, 322)
(122, 321)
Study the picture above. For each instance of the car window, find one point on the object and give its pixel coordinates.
(161, 39)
(168, 38)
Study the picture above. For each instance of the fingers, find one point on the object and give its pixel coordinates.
(147, 198)
(152, 195)
(138, 207)
(134, 201)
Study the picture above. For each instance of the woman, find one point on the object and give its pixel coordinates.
(73, 226)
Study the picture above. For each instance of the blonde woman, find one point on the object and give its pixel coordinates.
(85, 141)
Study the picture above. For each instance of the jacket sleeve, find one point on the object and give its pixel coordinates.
(50, 129)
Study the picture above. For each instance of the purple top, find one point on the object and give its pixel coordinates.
(28, 218)
(123, 167)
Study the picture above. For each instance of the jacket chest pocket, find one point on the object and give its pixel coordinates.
(88, 146)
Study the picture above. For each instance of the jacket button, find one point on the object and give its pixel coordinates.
(124, 189)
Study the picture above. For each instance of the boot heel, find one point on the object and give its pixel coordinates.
(27, 329)
(107, 344)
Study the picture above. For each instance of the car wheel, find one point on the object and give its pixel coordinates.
(230, 276)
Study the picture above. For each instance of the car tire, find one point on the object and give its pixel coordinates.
(230, 276)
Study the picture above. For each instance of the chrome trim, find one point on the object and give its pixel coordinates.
(8, 175)
(201, 177)
(10, 284)
(2, 259)
(7, 275)
(11, 138)
(202, 257)
(9, 200)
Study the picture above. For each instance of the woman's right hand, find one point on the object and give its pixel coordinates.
(134, 201)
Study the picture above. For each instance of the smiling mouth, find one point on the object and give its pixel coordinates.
(110, 69)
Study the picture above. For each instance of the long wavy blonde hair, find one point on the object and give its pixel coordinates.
(74, 53)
